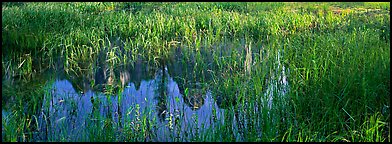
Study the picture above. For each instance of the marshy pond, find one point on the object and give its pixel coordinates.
(168, 102)
(195, 72)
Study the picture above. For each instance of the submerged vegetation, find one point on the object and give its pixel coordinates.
(274, 71)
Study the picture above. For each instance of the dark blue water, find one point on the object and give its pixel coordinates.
(167, 100)
(68, 112)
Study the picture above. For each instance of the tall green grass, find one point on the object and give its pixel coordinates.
(336, 58)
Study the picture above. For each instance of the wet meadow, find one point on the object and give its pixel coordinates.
(195, 71)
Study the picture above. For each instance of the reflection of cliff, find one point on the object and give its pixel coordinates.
(105, 76)
(181, 68)
(161, 91)
(108, 72)
(194, 97)
(141, 71)
(188, 79)
(71, 111)
(190, 71)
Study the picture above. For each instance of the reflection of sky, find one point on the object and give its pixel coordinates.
(70, 111)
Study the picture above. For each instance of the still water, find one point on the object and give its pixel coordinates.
(70, 111)
(166, 102)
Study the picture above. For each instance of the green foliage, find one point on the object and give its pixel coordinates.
(336, 58)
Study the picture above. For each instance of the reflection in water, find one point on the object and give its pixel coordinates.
(172, 93)
(189, 82)
(66, 111)
(105, 73)
(161, 93)
(105, 77)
